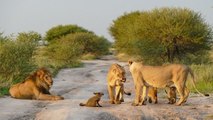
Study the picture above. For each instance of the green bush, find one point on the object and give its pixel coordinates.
(68, 50)
(63, 30)
(15, 62)
(64, 53)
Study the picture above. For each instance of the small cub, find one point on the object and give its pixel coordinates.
(93, 101)
(171, 94)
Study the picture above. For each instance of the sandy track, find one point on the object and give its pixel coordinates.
(78, 84)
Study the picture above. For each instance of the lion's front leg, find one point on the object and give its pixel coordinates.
(121, 96)
(138, 89)
(48, 97)
(117, 94)
(144, 96)
(42, 96)
(111, 94)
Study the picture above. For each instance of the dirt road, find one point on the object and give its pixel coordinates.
(78, 84)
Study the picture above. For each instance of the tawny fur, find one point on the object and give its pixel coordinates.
(152, 95)
(115, 82)
(93, 101)
(36, 86)
(171, 95)
(160, 77)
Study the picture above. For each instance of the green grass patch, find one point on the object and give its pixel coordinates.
(4, 91)
(203, 78)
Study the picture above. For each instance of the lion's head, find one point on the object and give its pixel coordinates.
(43, 78)
(117, 73)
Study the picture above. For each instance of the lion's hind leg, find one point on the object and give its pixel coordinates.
(186, 94)
(181, 93)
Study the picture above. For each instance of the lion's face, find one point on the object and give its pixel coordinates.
(45, 78)
(48, 80)
(119, 75)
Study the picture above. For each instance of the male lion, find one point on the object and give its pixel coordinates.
(160, 77)
(36, 86)
(115, 79)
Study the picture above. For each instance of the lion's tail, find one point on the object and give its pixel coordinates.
(193, 82)
(82, 104)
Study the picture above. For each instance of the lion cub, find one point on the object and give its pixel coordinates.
(171, 94)
(93, 101)
(152, 95)
(170, 91)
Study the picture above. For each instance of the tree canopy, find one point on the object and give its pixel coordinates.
(63, 30)
(162, 34)
(30, 36)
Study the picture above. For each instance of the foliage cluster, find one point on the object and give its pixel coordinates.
(69, 49)
(163, 35)
(16, 61)
(63, 30)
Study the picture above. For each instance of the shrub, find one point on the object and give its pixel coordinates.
(90, 43)
(62, 30)
(64, 53)
(15, 62)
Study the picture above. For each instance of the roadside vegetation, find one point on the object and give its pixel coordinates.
(166, 35)
(63, 46)
(159, 36)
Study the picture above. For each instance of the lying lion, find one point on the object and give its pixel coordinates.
(36, 86)
(115, 81)
(160, 77)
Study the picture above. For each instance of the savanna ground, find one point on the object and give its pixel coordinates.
(78, 84)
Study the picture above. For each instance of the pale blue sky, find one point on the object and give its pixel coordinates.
(95, 15)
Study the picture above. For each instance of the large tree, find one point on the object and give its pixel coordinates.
(162, 35)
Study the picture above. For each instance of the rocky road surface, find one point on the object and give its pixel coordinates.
(78, 84)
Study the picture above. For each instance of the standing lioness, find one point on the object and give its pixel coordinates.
(115, 79)
(160, 77)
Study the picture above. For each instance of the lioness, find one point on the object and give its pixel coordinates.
(160, 77)
(93, 101)
(115, 79)
(36, 86)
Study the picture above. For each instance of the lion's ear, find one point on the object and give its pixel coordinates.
(40, 73)
(114, 70)
(130, 62)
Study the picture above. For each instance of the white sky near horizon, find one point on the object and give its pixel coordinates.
(95, 15)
